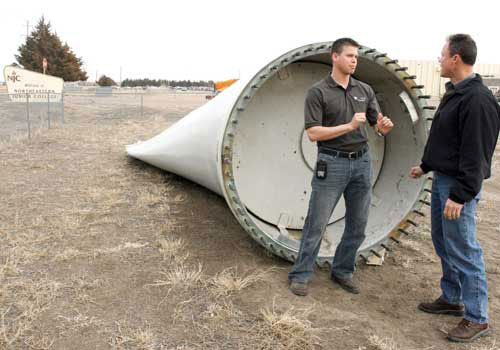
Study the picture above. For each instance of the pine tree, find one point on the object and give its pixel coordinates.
(62, 61)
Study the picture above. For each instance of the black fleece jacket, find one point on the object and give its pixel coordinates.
(463, 137)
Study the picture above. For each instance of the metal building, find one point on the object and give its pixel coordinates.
(427, 73)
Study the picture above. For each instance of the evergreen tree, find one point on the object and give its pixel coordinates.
(105, 81)
(160, 82)
(62, 61)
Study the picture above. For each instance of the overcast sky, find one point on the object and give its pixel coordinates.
(195, 39)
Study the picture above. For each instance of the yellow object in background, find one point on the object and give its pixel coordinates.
(222, 85)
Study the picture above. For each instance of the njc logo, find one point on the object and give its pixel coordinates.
(14, 77)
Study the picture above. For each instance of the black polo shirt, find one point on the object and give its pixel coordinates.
(329, 104)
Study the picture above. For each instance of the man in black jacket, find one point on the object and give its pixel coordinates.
(459, 150)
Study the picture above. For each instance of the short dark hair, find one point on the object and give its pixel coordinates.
(464, 46)
(338, 45)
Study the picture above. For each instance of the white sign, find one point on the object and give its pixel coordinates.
(22, 83)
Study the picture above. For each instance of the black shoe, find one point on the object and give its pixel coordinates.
(441, 307)
(347, 284)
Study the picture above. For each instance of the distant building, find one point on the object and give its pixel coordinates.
(493, 84)
(427, 73)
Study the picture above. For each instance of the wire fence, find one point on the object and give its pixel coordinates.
(23, 115)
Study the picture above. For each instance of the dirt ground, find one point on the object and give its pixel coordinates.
(101, 251)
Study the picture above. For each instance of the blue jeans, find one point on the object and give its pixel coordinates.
(464, 278)
(351, 177)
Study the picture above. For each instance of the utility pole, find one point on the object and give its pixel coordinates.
(27, 29)
(120, 76)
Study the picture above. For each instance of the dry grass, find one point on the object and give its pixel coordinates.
(73, 207)
(78, 322)
(289, 330)
(223, 325)
(221, 311)
(180, 276)
(118, 249)
(491, 346)
(21, 138)
(72, 253)
(22, 304)
(81, 286)
(39, 342)
(383, 343)
(139, 338)
(69, 254)
(172, 250)
(228, 281)
(151, 198)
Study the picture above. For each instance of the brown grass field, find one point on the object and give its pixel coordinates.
(101, 251)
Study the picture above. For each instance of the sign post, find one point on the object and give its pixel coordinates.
(44, 64)
(48, 110)
(28, 114)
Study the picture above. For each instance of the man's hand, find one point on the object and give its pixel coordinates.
(357, 120)
(416, 172)
(452, 210)
(384, 124)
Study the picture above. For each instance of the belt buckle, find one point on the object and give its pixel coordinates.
(352, 155)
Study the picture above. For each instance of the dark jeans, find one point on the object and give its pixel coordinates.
(352, 178)
(464, 278)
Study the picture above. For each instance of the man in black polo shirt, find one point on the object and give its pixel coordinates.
(336, 110)
(459, 149)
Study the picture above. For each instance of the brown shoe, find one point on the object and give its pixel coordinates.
(298, 288)
(468, 331)
(347, 284)
(441, 307)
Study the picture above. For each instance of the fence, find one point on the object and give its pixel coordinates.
(21, 115)
(35, 112)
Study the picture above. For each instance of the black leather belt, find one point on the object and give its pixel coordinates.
(343, 154)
